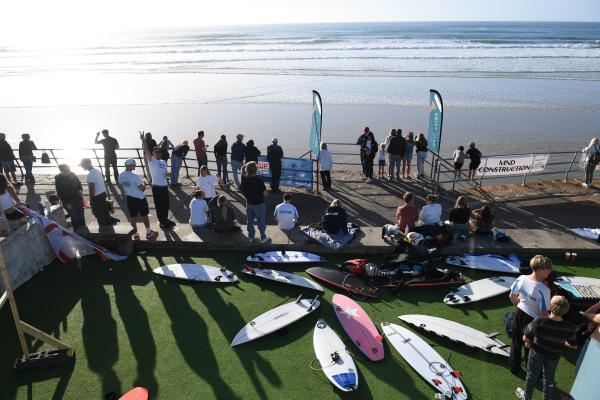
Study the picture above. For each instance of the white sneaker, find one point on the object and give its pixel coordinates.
(520, 393)
(368, 180)
(584, 185)
(265, 240)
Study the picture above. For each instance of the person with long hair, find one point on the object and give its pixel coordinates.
(9, 200)
(421, 147)
(409, 144)
(252, 152)
(592, 159)
(459, 218)
(207, 183)
(483, 220)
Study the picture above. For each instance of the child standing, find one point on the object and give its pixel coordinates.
(381, 173)
(546, 337)
(459, 160)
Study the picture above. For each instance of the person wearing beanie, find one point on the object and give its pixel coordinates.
(274, 157)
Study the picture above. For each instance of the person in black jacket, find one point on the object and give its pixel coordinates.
(220, 150)
(70, 192)
(395, 150)
(334, 219)
(252, 152)
(26, 156)
(7, 159)
(111, 145)
(274, 157)
(238, 152)
(369, 150)
(362, 139)
(254, 190)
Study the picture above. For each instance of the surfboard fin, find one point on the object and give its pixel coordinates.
(493, 335)
(457, 389)
(312, 303)
(299, 298)
(436, 382)
(456, 374)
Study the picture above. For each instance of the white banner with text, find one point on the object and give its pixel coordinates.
(512, 165)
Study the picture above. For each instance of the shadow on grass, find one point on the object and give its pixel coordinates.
(189, 331)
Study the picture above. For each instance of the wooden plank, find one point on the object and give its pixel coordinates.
(44, 337)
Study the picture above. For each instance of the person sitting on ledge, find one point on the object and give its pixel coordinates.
(198, 210)
(406, 217)
(459, 218)
(8, 201)
(429, 218)
(334, 219)
(223, 215)
(286, 214)
(482, 221)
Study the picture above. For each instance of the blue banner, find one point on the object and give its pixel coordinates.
(295, 172)
(436, 117)
(317, 120)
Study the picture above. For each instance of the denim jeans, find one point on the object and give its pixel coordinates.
(75, 209)
(395, 161)
(235, 168)
(547, 368)
(28, 164)
(176, 162)
(421, 156)
(257, 211)
(202, 160)
(222, 168)
(459, 230)
(589, 173)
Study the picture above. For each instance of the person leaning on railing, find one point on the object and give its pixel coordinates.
(592, 159)
(177, 157)
(421, 147)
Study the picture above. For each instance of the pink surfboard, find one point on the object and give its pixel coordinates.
(138, 393)
(358, 326)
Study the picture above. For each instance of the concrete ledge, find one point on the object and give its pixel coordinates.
(524, 242)
(113, 237)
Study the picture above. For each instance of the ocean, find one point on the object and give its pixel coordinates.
(508, 86)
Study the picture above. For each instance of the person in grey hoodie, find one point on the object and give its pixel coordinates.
(592, 159)
(238, 153)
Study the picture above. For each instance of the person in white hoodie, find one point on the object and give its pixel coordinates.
(429, 218)
(592, 159)
(325, 165)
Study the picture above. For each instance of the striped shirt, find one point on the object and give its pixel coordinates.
(549, 336)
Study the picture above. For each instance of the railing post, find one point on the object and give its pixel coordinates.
(99, 165)
(141, 163)
(570, 166)
(187, 172)
(527, 173)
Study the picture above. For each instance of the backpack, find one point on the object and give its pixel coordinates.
(508, 323)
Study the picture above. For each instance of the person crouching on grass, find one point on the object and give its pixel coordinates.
(546, 337)
(381, 156)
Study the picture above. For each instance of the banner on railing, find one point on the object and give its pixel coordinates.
(317, 120)
(512, 165)
(295, 172)
(436, 117)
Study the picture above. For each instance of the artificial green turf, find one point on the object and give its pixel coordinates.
(130, 327)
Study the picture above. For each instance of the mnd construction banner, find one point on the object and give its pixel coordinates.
(295, 172)
(512, 165)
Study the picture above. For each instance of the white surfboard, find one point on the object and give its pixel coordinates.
(275, 319)
(479, 290)
(336, 362)
(197, 272)
(459, 333)
(425, 361)
(487, 262)
(283, 277)
(580, 286)
(285, 257)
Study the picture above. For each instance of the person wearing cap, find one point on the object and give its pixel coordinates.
(97, 191)
(177, 156)
(362, 140)
(274, 156)
(110, 145)
(137, 205)
(238, 153)
(220, 150)
(26, 147)
(160, 188)
(70, 192)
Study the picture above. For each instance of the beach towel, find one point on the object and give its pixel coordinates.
(66, 244)
(588, 233)
(335, 242)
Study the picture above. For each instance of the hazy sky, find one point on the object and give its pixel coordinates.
(43, 18)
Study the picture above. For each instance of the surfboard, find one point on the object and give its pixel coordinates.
(336, 362)
(285, 257)
(580, 286)
(343, 280)
(283, 277)
(358, 326)
(479, 290)
(425, 361)
(487, 262)
(459, 333)
(137, 393)
(197, 272)
(275, 319)
(586, 381)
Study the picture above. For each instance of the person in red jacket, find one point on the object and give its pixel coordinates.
(406, 217)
